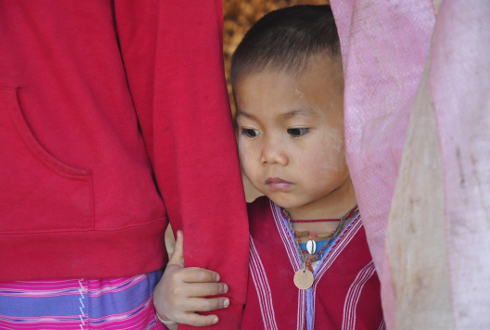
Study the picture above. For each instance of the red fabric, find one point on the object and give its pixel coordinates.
(343, 300)
(100, 100)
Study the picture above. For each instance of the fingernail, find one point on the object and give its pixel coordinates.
(216, 277)
(225, 288)
(215, 320)
(226, 303)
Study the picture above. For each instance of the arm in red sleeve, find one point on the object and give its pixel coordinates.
(172, 53)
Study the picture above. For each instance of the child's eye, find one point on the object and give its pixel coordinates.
(297, 132)
(251, 133)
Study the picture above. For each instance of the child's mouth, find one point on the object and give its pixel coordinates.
(278, 184)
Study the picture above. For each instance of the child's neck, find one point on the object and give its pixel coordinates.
(334, 205)
(337, 205)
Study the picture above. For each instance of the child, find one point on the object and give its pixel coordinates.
(310, 266)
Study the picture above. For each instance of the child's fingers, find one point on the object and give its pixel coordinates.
(201, 320)
(198, 275)
(177, 257)
(207, 304)
(206, 289)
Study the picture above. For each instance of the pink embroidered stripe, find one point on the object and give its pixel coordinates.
(66, 287)
(349, 320)
(301, 318)
(259, 277)
(337, 248)
(96, 304)
(349, 232)
(287, 240)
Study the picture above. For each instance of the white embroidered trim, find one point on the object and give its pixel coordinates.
(353, 295)
(332, 255)
(81, 290)
(285, 235)
(263, 288)
(295, 258)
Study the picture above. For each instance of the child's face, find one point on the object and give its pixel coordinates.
(291, 134)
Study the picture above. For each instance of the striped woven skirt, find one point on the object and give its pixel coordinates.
(116, 303)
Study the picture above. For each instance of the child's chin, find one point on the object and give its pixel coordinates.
(285, 203)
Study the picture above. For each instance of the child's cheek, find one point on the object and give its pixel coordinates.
(335, 140)
(334, 156)
(241, 151)
(251, 166)
(246, 157)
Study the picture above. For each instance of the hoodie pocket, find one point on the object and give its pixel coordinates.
(38, 192)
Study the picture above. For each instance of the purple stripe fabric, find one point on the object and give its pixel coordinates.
(116, 303)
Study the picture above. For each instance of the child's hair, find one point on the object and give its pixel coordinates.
(286, 39)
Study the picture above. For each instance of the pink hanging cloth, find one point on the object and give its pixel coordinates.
(385, 45)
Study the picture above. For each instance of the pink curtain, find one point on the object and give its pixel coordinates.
(418, 147)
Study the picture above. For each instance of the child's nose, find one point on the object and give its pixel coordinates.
(273, 152)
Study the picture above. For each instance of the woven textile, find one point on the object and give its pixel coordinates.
(116, 303)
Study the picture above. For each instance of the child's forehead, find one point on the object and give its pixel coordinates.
(317, 84)
(319, 68)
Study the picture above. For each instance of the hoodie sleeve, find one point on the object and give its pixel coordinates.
(172, 54)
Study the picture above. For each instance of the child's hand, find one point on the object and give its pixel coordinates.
(179, 294)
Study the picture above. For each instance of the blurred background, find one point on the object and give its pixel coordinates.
(239, 16)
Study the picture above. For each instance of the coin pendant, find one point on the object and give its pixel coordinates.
(303, 279)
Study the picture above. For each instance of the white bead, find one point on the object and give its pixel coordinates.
(311, 246)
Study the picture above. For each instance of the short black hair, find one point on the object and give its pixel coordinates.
(285, 39)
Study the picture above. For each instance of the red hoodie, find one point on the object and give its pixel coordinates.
(114, 120)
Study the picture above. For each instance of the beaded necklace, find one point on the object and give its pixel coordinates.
(303, 278)
(315, 220)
